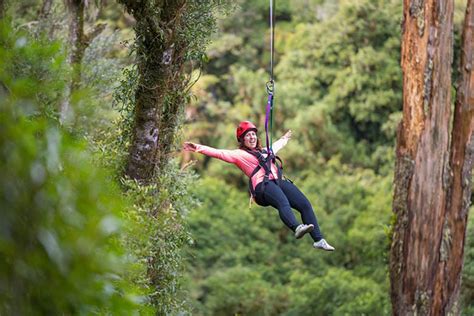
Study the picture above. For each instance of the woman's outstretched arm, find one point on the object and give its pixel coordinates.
(279, 144)
(230, 156)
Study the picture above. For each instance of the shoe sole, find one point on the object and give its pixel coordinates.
(324, 249)
(308, 230)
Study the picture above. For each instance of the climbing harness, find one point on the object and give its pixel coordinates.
(265, 161)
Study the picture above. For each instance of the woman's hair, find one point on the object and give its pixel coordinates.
(242, 143)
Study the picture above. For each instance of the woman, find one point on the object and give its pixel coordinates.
(265, 184)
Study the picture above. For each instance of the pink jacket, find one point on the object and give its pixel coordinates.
(243, 160)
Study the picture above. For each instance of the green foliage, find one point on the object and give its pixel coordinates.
(351, 77)
(241, 291)
(159, 232)
(338, 292)
(124, 100)
(101, 68)
(26, 64)
(200, 23)
(157, 237)
(224, 228)
(61, 217)
(59, 229)
(358, 207)
(252, 245)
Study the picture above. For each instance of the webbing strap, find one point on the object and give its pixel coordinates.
(269, 118)
(265, 163)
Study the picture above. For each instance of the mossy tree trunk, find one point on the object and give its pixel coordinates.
(171, 37)
(161, 48)
(432, 175)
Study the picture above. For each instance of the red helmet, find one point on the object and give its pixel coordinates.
(243, 128)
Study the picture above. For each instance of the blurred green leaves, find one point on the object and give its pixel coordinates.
(246, 261)
(61, 221)
(338, 292)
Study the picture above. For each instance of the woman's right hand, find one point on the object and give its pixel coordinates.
(188, 146)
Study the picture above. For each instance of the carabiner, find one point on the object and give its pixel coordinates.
(270, 85)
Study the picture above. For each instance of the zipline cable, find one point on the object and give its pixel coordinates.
(270, 85)
(272, 35)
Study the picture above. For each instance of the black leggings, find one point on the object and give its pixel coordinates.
(285, 197)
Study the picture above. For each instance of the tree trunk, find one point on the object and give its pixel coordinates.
(160, 97)
(432, 179)
(76, 51)
(448, 279)
(76, 40)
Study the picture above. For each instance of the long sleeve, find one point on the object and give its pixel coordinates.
(279, 144)
(226, 155)
(242, 159)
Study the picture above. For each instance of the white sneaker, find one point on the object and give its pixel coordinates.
(303, 229)
(323, 244)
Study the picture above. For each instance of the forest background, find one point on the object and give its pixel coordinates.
(78, 237)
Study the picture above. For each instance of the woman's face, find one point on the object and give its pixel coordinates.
(250, 140)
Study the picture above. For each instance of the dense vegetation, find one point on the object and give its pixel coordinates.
(61, 216)
(76, 237)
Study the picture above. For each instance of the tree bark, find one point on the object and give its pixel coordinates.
(76, 51)
(432, 178)
(449, 271)
(160, 97)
